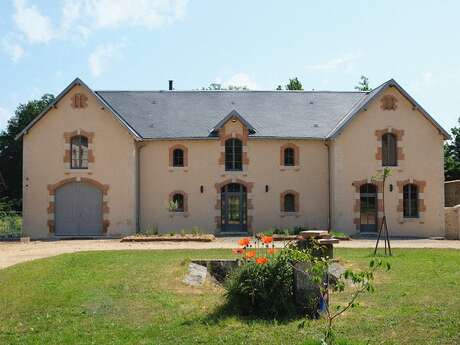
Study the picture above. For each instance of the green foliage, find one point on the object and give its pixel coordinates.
(11, 150)
(363, 84)
(294, 84)
(151, 231)
(265, 291)
(219, 87)
(452, 156)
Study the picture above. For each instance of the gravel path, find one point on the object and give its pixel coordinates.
(12, 253)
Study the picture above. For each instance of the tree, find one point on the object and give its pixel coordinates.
(294, 84)
(219, 87)
(452, 156)
(363, 84)
(11, 149)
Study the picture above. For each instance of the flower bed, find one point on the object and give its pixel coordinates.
(170, 238)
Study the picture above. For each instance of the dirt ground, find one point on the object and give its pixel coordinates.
(12, 253)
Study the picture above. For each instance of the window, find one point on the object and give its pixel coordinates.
(178, 158)
(410, 201)
(79, 100)
(79, 152)
(389, 150)
(289, 156)
(233, 155)
(178, 200)
(289, 203)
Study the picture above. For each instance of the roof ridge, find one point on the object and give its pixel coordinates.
(233, 91)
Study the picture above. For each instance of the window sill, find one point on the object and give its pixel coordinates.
(178, 214)
(289, 167)
(172, 169)
(289, 214)
(78, 171)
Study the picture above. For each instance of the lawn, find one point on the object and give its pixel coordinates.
(137, 297)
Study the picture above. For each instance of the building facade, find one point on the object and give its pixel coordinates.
(113, 163)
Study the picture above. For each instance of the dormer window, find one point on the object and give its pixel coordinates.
(178, 158)
(79, 152)
(233, 155)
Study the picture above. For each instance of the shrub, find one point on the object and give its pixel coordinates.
(263, 290)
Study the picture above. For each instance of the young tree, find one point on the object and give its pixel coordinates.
(11, 150)
(294, 84)
(363, 84)
(452, 156)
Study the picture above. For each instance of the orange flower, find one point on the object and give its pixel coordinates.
(244, 241)
(238, 251)
(250, 254)
(271, 251)
(261, 261)
(267, 239)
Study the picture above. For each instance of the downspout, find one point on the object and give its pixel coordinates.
(329, 179)
(137, 171)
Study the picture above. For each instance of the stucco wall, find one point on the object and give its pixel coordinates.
(354, 158)
(158, 181)
(44, 147)
(452, 193)
(452, 215)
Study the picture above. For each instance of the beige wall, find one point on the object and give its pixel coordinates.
(452, 218)
(353, 158)
(114, 155)
(158, 181)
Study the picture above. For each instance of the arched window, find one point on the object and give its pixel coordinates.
(289, 203)
(233, 155)
(389, 150)
(410, 201)
(178, 200)
(79, 152)
(178, 158)
(289, 156)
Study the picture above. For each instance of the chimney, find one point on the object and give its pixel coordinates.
(171, 85)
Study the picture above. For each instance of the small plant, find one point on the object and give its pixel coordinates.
(172, 206)
(182, 232)
(361, 283)
(151, 231)
(196, 231)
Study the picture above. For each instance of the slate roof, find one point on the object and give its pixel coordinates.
(194, 114)
(268, 114)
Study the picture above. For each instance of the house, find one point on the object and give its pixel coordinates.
(111, 163)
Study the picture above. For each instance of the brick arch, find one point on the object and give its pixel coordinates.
(398, 133)
(184, 195)
(218, 206)
(357, 200)
(104, 188)
(171, 154)
(421, 185)
(296, 199)
(296, 153)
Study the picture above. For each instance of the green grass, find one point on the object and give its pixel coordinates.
(137, 297)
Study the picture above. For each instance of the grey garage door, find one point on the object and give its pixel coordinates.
(78, 210)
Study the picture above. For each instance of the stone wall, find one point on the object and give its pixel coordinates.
(452, 219)
(452, 193)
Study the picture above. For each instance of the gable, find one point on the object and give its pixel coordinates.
(384, 95)
(77, 95)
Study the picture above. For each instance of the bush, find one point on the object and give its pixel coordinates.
(265, 291)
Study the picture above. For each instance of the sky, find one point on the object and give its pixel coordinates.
(141, 44)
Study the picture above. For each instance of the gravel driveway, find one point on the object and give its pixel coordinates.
(12, 253)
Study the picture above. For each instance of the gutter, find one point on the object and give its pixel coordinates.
(329, 179)
(137, 184)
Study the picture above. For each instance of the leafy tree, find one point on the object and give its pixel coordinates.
(219, 87)
(11, 150)
(294, 84)
(363, 84)
(452, 156)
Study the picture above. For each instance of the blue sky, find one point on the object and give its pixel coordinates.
(139, 45)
